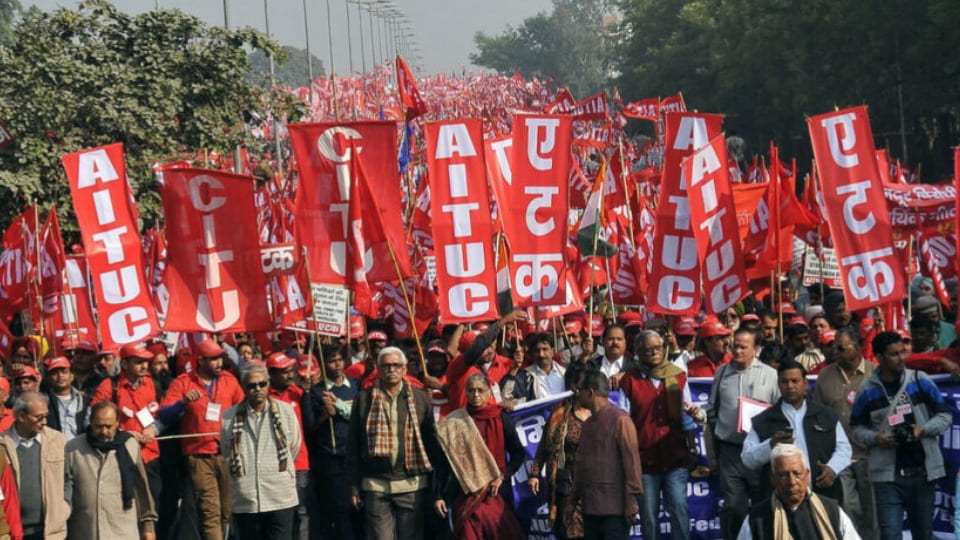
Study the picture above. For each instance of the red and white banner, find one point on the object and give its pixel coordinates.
(73, 315)
(592, 108)
(563, 103)
(855, 208)
(715, 225)
(326, 155)
(674, 271)
(16, 262)
(645, 109)
(915, 205)
(108, 225)
(536, 214)
(462, 228)
(213, 273)
(497, 154)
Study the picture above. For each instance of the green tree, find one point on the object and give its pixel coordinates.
(9, 9)
(163, 83)
(293, 72)
(573, 44)
(771, 63)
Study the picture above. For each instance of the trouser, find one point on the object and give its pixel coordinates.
(739, 485)
(911, 492)
(858, 500)
(394, 516)
(673, 485)
(275, 525)
(211, 492)
(336, 517)
(306, 509)
(605, 527)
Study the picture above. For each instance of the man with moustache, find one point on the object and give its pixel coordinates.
(615, 360)
(68, 407)
(260, 439)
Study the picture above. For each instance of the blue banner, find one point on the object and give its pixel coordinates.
(703, 492)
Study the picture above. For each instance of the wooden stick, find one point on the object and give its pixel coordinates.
(187, 436)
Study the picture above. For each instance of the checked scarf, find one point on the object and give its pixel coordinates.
(380, 439)
(283, 453)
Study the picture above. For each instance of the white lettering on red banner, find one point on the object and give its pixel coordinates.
(462, 228)
(537, 209)
(108, 225)
(214, 274)
(855, 208)
(712, 211)
(675, 274)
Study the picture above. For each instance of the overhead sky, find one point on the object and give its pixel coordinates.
(444, 29)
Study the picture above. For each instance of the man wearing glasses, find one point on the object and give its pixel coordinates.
(390, 446)
(658, 395)
(36, 454)
(260, 439)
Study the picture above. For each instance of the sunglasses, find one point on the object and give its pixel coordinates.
(255, 385)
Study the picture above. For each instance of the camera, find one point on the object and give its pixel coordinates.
(902, 433)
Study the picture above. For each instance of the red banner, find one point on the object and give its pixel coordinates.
(675, 273)
(409, 93)
(592, 108)
(856, 209)
(536, 214)
(497, 154)
(645, 109)
(718, 239)
(16, 262)
(213, 274)
(462, 228)
(111, 241)
(325, 161)
(74, 315)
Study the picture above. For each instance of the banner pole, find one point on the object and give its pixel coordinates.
(316, 340)
(406, 300)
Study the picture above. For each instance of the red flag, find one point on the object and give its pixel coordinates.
(933, 267)
(536, 214)
(956, 184)
(675, 274)
(498, 154)
(563, 103)
(856, 210)
(409, 93)
(111, 241)
(592, 108)
(325, 161)
(51, 256)
(711, 210)
(645, 109)
(462, 228)
(16, 262)
(214, 273)
(75, 315)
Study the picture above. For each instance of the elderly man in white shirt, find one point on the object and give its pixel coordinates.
(812, 427)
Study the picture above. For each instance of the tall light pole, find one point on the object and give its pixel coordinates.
(346, 6)
(306, 38)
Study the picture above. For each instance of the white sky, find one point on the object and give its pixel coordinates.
(444, 29)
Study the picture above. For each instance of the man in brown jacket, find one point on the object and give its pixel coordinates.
(608, 476)
(36, 454)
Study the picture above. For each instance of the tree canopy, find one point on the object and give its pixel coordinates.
(163, 83)
(293, 72)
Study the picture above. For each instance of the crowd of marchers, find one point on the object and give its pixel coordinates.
(287, 435)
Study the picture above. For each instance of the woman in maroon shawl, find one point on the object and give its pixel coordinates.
(483, 452)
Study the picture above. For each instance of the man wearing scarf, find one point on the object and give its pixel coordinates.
(793, 512)
(389, 444)
(260, 440)
(483, 451)
(106, 483)
(657, 390)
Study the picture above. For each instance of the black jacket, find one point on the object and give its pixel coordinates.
(761, 518)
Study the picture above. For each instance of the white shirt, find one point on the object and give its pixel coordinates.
(846, 532)
(611, 368)
(756, 453)
(26, 443)
(553, 381)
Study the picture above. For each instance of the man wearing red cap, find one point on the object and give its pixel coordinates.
(573, 336)
(26, 380)
(199, 399)
(83, 358)
(281, 367)
(713, 342)
(376, 341)
(685, 330)
(136, 395)
(68, 407)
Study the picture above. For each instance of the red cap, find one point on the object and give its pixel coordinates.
(866, 325)
(308, 360)
(481, 326)
(436, 349)
(208, 348)
(630, 318)
(713, 327)
(378, 335)
(596, 325)
(278, 360)
(157, 348)
(750, 317)
(905, 335)
(70, 343)
(57, 362)
(467, 339)
(573, 327)
(27, 372)
(357, 328)
(797, 320)
(787, 308)
(827, 337)
(685, 326)
(135, 350)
